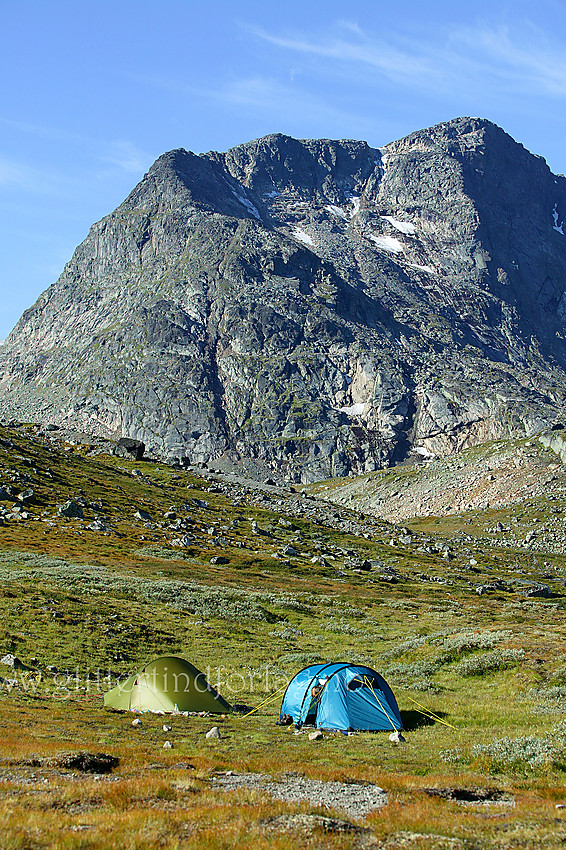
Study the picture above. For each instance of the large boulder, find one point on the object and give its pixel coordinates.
(130, 448)
(71, 509)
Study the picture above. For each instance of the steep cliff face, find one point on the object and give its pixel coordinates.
(316, 306)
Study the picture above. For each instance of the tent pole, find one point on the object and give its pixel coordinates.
(368, 683)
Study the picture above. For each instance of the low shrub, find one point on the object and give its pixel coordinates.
(470, 641)
(162, 553)
(415, 642)
(342, 627)
(524, 754)
(189, 597)
(499, 659)
(289, 632)
(455, 755)
(302, 658)
(548, 700)
(415, 670)
(518, 753)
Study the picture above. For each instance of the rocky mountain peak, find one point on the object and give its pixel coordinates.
(321, 168)
(311, 307)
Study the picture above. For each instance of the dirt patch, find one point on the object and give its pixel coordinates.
(485, 796)
(307, 824)
(82, 761)
(424, 841)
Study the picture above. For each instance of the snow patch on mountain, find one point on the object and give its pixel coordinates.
(354, 409)
(248, 205)
(338, 211)
(387, 243)
(303, 236)
(405, 227)
(251, 208)
(356, 200)
(427, 269)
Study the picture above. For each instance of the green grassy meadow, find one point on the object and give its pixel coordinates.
(480, 680)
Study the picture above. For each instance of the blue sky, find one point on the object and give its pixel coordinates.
(93, 92)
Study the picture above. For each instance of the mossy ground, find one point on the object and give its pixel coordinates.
(97, 605)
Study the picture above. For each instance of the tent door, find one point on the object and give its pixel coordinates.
(310, 719)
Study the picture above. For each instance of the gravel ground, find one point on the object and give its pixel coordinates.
(355, 799)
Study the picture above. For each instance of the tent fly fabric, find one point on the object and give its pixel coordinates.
(166, 684)
(346, 697)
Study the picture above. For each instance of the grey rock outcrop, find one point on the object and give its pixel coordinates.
(555, 440)
(318, 307)
(71, 509)
(129, 448)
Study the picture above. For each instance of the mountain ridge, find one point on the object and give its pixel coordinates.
(314, 307)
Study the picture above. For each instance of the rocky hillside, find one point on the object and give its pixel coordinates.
(492, 476)
(312, 308)
(506, 493)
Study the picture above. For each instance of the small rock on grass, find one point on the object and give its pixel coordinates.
(213, 733)
(166, 728)
(143, 515)
(316, 736)
(167, 745)
(396, 737)
(136, 722)
(13, 661)
(26, 496)
(71, 509)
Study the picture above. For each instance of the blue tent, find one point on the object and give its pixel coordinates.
(344, 697)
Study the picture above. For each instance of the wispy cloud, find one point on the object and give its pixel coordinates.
(126, 156)
(270, 93)
(13, 173)
(275, 100)
(506, 56)
(119, 153)
(357, 49)
(525, 56)
(298, 108)
(21, 175)
(45, 131)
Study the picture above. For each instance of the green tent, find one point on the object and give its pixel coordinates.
(166, 684)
